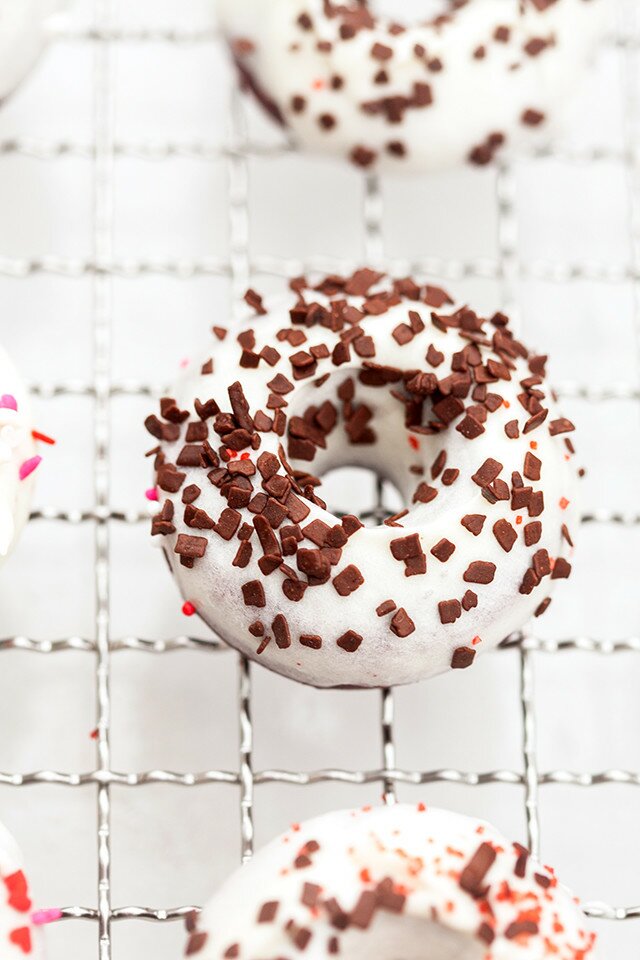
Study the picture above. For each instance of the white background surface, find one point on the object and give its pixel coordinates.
(172, 845)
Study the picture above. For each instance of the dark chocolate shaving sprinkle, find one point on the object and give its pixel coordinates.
(462, 658)
(268, 911)
(402, 624)
(253, 594)
(348, 581)
(474, 522)
(449, 610)
(473, 876)
(349, 641)
(480, 571)
(504, 534)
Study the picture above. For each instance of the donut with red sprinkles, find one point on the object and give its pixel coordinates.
(393, 376)
(454, 88)
(18, 938)
(19, 459)
(399, 881)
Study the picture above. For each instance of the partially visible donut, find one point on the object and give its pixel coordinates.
(17, 935)
(22, 37)
(413, 97)
(395, 377)
(18, 457)
(393, 882)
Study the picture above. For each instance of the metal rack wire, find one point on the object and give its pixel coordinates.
(103, 266)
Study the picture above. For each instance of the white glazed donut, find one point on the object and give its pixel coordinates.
(17, 935)
(392, 376)
(23, 26)
(392, 882)
(450, 90)
(18, 458)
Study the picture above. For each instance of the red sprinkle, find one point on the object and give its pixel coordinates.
(188, 609)
(414, 443)
(42, 437)
(22, 938)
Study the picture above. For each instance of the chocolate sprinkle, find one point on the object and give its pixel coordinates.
(480, 571)
(462, 658)
(473, 876)
(349, 641)
(348, 581)
(402, 624)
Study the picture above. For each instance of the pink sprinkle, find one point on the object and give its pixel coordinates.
(27, 468)
(8, 402)
(184, 363)
(151, 493)
(40, 917)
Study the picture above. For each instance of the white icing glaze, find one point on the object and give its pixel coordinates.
(387, 654)
(468, 98)
(22, 36)
(16, 446)
(503, 907)
(18, 939)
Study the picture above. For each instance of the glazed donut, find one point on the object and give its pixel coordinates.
(18, 458)
(22, 36)
(382, 883)
(17, 935)
(452, 89)
(392, 376)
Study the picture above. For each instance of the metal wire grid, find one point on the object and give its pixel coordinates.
(103, 266)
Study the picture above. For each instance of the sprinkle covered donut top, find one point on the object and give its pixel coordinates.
(382, 92)
(394, 376)
(399, 881)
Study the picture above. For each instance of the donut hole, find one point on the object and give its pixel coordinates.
(362, 492)
(413, 938)
(350, 441)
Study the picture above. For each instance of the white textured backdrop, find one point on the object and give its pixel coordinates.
(172, 845)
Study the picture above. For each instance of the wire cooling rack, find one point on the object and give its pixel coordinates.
(508, 269)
